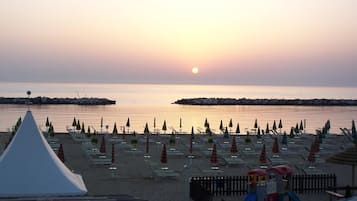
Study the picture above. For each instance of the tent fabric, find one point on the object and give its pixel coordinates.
(29, 167)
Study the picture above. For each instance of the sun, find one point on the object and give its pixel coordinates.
(194, 70)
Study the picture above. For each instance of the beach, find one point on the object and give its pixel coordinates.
(132, 173)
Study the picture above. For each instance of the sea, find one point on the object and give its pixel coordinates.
(152, 104)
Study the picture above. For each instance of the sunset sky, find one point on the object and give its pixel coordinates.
(273, 42)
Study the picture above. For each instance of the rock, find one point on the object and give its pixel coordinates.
(245, 101)
(57, 101)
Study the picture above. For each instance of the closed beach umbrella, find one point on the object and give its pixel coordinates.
(354, 132)
(327, 125)
(164, 127)
(274, 125)
(208, 130)
(256, 123)
(154, 123)
(113, 154)
(267, 129)
(292, 132)
(237, 129)
(60, 153)
(280, 126)
(180, 123)
(163, 158)
(74, 123)
(230, 123)
(101, 124)
(206, 123)
(234, 148)
(353, 126)
(263, 156)
(83, 130)
(146, 129)
(347, 157)
(102, 146)
(302, 126)
(275, 149)
(214, 159)
(115, 129)
(47, 122)
(297, 128)
(221, 126)
(78, 125)
(128, 124)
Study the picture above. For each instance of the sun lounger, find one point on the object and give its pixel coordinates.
(234, 160)
(134, 150)
(312, 170)
(115, 139)
(174, 152)
(101, 161)
(277, 161)
(212, 171)
(160, 171)
(163, 172)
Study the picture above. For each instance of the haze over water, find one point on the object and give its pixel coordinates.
(144, 102)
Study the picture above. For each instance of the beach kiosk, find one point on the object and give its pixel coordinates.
(257, 179)
(281, 175)
(271, 184)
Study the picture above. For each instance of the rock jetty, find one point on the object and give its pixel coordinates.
(57, 101)
(246, 101)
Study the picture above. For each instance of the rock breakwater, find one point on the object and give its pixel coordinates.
(246, 101)
(57, 101)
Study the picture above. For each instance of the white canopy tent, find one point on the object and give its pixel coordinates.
(29, 167)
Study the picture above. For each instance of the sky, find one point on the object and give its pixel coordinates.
(271, 42)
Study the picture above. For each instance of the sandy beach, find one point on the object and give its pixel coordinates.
(133, 174)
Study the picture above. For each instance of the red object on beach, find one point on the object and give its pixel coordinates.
(263, 156)
(315, 146)
(163, 155)
(60, 153)
(102, 146)
(275, 149)
(113, 153)
(234, 148)
(311, 157)
(214, 155)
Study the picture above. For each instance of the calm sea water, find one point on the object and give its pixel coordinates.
(143, 103)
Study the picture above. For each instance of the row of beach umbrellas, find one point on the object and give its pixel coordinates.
(81, 127)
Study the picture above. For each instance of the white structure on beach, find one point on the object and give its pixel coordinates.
(30, 168)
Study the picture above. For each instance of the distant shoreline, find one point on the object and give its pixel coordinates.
(269, 102)
(57, 101)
